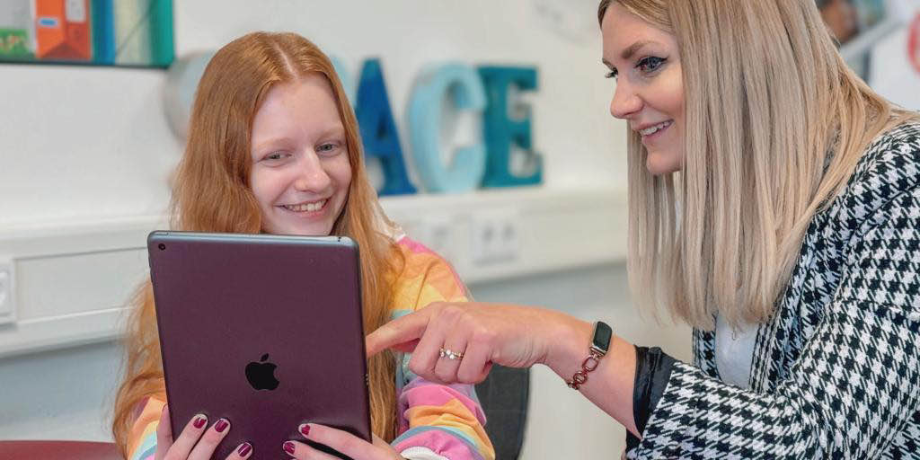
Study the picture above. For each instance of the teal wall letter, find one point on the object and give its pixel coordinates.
(500, 131)
(462, 84)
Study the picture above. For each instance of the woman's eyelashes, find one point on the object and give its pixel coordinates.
(647, 66)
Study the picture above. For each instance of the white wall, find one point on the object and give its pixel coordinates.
(64, 394)
(891, 73)
(81, 142)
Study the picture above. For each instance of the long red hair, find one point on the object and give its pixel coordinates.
(211, 193)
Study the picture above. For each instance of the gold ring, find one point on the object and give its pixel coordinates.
(451, 355)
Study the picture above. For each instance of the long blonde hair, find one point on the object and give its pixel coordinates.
(212, 194)
(775, 124)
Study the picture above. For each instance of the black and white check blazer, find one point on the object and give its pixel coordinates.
(836, 371)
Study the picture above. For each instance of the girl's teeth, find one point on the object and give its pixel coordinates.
(307, 207)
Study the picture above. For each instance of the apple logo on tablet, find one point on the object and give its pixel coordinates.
(261, 375)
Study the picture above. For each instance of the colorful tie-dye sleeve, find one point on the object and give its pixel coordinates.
(435, 421)
(142, 441)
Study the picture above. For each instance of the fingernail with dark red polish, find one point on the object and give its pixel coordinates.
(200, 420)
(244, 449)
(305, 429)
(289, 447)
(221, 425)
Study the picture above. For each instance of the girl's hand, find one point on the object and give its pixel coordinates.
(196, 442)
(341, 441)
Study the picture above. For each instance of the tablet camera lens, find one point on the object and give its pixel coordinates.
(162, 247)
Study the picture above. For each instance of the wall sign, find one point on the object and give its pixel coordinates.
(484, 91)
(461, 84)
(487, 92)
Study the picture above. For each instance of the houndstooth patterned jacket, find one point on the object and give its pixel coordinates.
(836, 371)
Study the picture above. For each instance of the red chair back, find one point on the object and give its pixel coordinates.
(58, 450)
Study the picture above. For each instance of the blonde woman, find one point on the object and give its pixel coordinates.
(775, 207)
(274, 148)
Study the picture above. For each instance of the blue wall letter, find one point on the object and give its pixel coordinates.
(378, 130)
(500, 131)
(461, 83)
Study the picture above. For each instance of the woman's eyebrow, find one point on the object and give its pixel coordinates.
(631, 50)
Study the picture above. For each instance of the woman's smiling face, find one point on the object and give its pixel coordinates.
(649, 94)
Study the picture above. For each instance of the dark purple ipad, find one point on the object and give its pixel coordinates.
(263, 330)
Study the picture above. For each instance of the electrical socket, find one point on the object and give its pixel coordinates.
(7, 291)
(495, 237)
(435, 232)
(438, 236)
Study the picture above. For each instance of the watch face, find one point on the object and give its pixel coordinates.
(602, 335)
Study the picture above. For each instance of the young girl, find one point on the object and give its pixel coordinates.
(274, 147)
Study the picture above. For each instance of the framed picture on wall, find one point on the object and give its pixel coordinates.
(137, 33)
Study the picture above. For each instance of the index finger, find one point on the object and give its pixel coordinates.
(401, 334)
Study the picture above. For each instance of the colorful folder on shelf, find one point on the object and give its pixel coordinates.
(104, 48)
(107, 32)
(62, 30)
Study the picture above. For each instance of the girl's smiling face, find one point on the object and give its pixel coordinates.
(300, 168)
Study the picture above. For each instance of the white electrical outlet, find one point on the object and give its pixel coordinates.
(438, 236)
(508, 236)
(482, 231)
(495, 237)
(7, 293)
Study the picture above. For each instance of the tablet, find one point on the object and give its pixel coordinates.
(263, 330)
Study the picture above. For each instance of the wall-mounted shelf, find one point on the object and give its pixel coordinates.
(72, 279)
